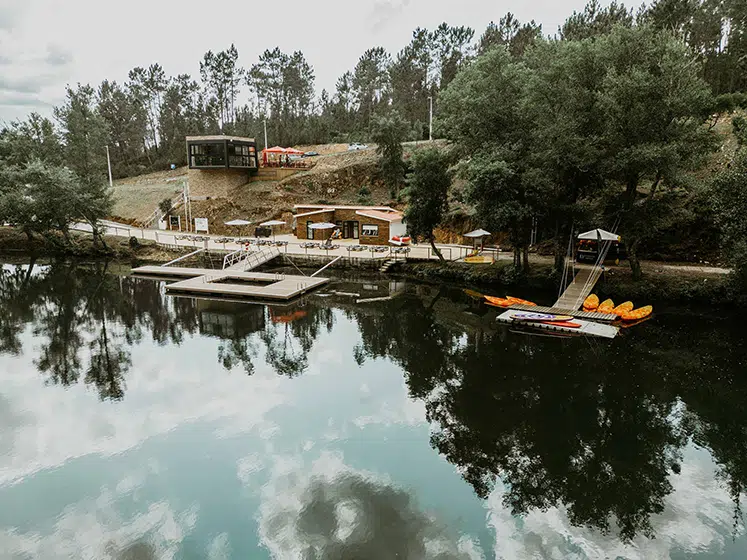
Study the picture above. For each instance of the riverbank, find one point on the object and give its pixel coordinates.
(14, 243)
(673, 284)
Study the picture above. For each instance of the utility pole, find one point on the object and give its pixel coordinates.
(430, 118)
(186, 203)
(109, 164)
(265, 124)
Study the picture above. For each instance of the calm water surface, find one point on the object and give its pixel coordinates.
(139, 426)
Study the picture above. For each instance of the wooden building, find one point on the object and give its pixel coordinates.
(371, 225)
(219, 163)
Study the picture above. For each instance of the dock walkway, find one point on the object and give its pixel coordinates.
(233, 283)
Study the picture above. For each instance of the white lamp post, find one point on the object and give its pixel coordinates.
(109, 165)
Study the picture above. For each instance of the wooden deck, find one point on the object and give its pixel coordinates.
(588, 328)
(232, 284)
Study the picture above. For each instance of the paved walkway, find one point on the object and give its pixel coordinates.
(419, 252)
(293, 247)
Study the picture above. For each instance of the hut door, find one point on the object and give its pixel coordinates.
(350, 229)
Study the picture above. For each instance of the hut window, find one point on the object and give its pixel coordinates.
(369, 230)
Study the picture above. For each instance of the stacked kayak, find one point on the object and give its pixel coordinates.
(625, 311)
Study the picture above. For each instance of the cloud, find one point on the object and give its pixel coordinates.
(332, 511)
(384, 11)
(58, 56)
(59, 424)
(11, 13)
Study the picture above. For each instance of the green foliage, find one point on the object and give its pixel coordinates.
(427, 194)
(730, 202)
(595, 21)
(627, 111)
(165, 206)
(389, 132)
(511, 34)
(364, 195)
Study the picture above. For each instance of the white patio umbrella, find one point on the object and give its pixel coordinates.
(599, 235)
(237, 223)
(323, 225)
(480, 234)
(477, 233)
(272, 224)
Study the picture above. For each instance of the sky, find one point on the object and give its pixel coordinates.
(46, 44)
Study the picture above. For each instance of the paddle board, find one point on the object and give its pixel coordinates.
(540, 317)
(566, 324)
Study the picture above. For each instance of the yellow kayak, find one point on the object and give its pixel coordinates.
(591, 303)
(623, 308)
(636, 314)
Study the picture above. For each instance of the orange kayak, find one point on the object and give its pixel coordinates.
(519, 301)
(606, 306)
(591, 303)
(637, 314)
(623, 308)
(497, 302)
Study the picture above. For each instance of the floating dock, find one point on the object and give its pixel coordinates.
(232, 283)
(588, 328)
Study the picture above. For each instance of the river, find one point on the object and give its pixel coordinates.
(134, 425)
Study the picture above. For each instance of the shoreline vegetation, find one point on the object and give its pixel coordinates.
(661, 284)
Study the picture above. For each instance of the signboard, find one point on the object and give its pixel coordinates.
(175, 222)
(201, 224)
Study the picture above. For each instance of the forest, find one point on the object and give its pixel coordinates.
(604, 121)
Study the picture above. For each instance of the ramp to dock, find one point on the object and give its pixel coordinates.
(578, 290)
(244, 261)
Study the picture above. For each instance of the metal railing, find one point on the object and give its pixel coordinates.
(249, 259)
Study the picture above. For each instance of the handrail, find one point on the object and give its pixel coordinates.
(253, 258)
(326, 265)
(183, 257)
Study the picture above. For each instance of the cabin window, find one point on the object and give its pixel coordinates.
(207, 155)
(240, 156)
(368, 230)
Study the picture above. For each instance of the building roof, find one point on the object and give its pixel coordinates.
(218, 137)
(392, 216)
(323, 211)
(336, 207)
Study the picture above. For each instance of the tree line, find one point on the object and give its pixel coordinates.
(605, 125)
(600, 123)
(144, 119)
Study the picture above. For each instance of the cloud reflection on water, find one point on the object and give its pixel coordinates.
(330, 511)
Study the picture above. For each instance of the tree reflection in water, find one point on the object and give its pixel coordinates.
(598, 429)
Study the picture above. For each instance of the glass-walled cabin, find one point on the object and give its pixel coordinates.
(221, 152)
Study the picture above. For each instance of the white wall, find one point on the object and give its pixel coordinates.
(397, 229)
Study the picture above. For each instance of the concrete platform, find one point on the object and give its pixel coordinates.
(233, 284)
(588, 328)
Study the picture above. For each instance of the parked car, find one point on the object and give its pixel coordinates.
(355, 146)
(310, 154)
